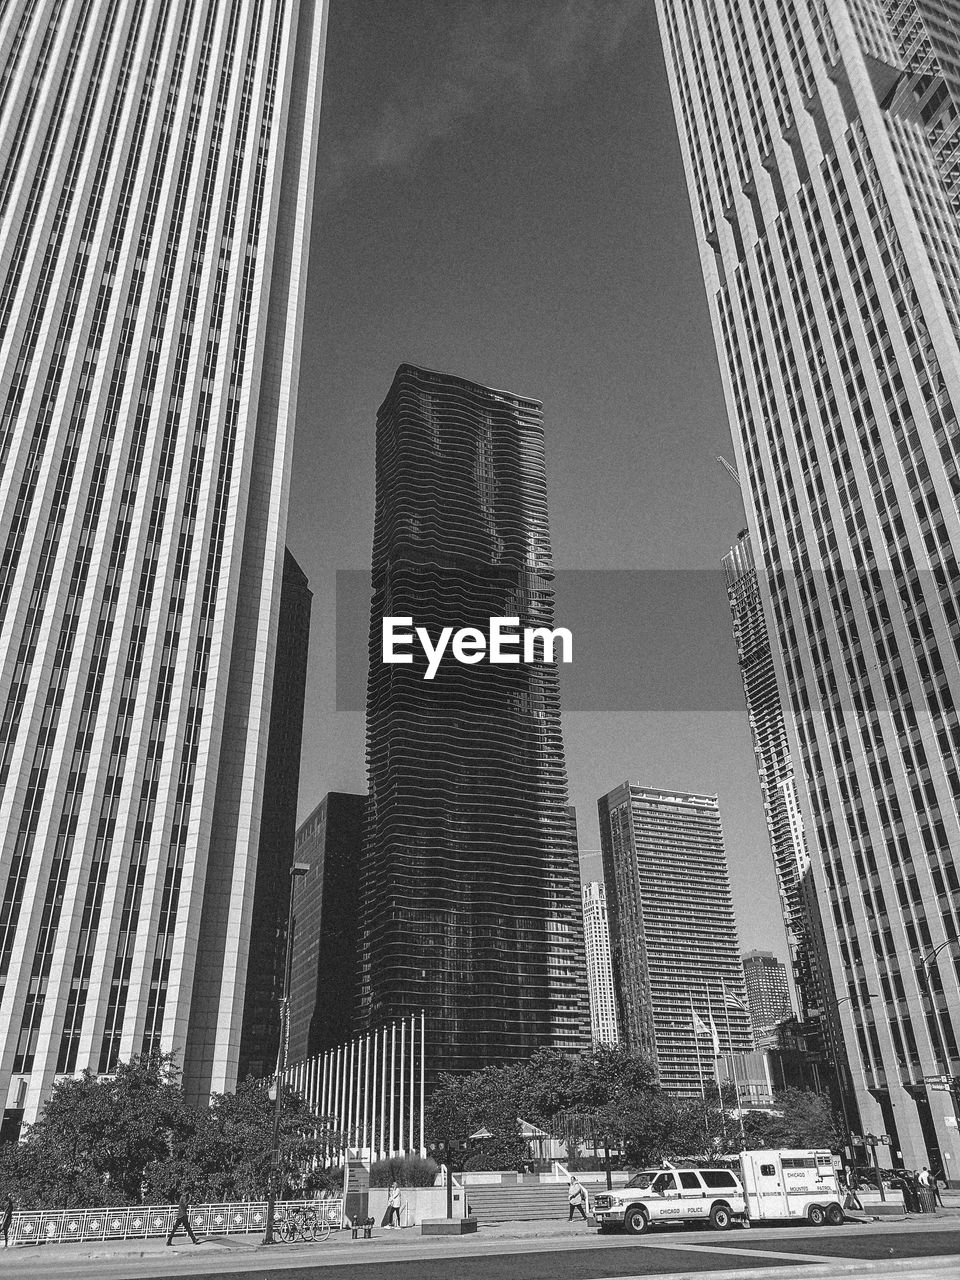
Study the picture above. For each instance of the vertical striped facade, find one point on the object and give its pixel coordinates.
(820, 144)
(156, 174)
(596, 937)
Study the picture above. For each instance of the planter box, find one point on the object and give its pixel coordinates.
(416, 1204)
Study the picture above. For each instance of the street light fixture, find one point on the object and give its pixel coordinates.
(831, 1039)
(927, 961)
(298, 869)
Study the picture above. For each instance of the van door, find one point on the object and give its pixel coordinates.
(769, 1198)
(693, 1195)
(664, 1197)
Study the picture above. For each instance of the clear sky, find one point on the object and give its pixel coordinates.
(500, 195)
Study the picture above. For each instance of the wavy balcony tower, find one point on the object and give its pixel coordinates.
(471, 889)
(156, 184)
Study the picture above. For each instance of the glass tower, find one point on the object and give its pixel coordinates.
(819, 140)
(156, 177)
(471, 888)
(603, 1004)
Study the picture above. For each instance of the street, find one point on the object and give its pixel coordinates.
(907, 1249)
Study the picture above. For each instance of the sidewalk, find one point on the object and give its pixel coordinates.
(386, 1245)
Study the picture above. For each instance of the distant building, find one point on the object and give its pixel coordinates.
(759, 1076)
(324, 953)
(673, 936)
(260, 1029)
(768, 996)
(603, 1005)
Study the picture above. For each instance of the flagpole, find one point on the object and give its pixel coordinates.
(696, 1049)
(733, 1066)
(716, 1058)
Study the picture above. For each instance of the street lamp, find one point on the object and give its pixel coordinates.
(298, 869)
(927, 961)
(831, 1040)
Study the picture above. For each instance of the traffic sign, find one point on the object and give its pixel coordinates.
(885, 1139)
(936, 1079)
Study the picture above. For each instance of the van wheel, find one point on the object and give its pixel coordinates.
(835, 1215)
(721, 1219)
(636, 1221)
(816, 1215)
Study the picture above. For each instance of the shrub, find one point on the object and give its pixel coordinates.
(405, 1171)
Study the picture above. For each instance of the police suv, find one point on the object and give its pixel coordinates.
(672, 1195)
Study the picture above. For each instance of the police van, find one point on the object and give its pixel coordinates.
(767, 1186)
(672, 1194)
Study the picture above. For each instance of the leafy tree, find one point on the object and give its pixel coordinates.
(488, 1099)
(804, 1120)
(98, 1137)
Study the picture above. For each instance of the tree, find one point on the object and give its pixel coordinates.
(97, 1137)
(488, 1100)
(804, 1119)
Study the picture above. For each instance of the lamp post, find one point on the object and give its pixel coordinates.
(848, 1132)
(952, 1084)
(298, 869)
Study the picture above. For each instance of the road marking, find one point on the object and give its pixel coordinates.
(747, 1253)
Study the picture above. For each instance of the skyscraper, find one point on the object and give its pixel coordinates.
(596, 933)
(818, 139)
(471, 889)
(260, 1031)
(778, 789)
(673, 936)
(155, 189)
(768, 996)
(324, 952)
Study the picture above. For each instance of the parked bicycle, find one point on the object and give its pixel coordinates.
(303, 1224)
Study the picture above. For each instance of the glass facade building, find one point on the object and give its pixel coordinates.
(673, 936)
(768, 995)
(156, 184)
(324, 949)
(471, 888)
(819, 141)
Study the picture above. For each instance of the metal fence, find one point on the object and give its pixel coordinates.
(57, 1226)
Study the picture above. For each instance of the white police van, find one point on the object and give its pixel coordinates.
(767, 1186)
(672, 1194)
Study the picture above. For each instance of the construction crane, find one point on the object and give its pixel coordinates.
(729, 468)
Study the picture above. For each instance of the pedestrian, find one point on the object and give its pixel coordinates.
(182, 1219)
(577, 1198)
(852, 1199)
(7, 1219)
(911, 1191)
(393, 1208)
(937, 1179)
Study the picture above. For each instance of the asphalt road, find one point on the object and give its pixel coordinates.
(660, 1254)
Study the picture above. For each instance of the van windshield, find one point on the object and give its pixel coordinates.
(642, 1181)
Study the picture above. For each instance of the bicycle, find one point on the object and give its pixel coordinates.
(305, 1225)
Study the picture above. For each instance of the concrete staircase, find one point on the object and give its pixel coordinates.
(521, 1202)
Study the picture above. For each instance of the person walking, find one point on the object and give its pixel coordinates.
(577, 1198)
(937, 1178)
(852, 1198)
(393, 1208)
(7, 1219)
(182, 1219)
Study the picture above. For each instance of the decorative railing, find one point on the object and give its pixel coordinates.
(57, 1226)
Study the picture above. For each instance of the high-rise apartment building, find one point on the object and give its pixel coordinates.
(768, 995)
(673, 936)
(156, 181)
(260, 1031)
(778, 789)
(818, 139)
(596, 933)
(324, 948)
(471, 906)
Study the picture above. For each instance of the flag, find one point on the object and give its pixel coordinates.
(716, 1038)
(733, 1002)
(699, 1026)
